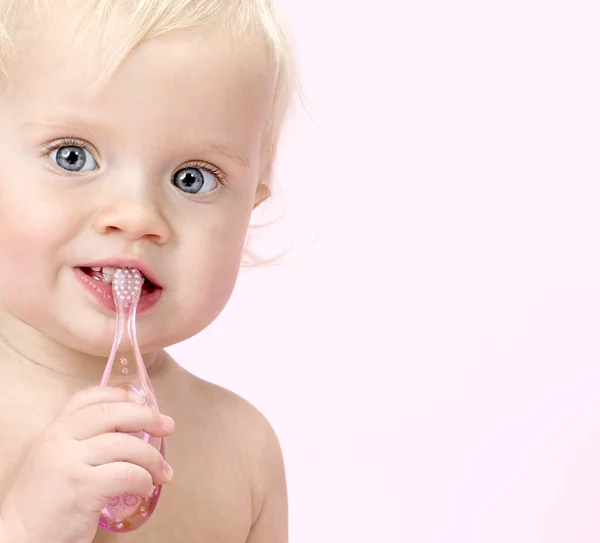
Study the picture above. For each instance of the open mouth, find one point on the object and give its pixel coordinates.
(106, 274)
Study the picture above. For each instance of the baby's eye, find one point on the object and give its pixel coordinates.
(194, 180)
(74, 159)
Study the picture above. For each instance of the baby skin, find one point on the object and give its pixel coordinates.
(159, 169)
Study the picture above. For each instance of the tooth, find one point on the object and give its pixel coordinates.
(108, 274)
(96, 269)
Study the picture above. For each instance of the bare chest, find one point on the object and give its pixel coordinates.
(185, 515)
(208, 501)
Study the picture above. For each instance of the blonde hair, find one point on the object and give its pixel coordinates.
(252, 25)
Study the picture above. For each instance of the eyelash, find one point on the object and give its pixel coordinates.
(74, 142)
(68, 142)
(210, 168)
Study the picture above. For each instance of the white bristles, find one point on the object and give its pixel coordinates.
(127, 286)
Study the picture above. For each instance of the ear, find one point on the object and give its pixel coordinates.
(262, 193)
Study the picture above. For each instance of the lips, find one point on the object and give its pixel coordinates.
(97, 279)
(113, 263)
(105, 274)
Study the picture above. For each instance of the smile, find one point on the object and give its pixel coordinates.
(106, 274)
(98, 282)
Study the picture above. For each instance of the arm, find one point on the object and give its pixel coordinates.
(271, 525)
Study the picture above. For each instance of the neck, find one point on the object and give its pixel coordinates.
(32, 350)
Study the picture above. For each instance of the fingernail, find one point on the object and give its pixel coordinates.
(168, 470)
(167, 421)
(136, 398)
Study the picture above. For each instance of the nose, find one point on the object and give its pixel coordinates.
(134, 219)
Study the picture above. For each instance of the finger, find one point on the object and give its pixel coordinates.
(109, 448)
(94, 395)
(117, 417)
(108, 481)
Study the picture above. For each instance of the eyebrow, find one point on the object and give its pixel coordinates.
(228, 152)
(79, 124)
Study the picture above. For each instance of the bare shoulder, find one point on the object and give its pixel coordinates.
(220, 429)
(215, 408)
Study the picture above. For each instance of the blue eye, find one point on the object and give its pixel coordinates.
(74, 159)
(194, 180)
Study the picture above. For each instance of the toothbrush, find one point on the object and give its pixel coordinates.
(125, 369)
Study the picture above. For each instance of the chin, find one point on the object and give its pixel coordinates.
(98, 341)
(87, 344)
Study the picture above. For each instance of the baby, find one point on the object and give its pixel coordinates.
(134, 133)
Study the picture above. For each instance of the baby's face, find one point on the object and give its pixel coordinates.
(161, 166)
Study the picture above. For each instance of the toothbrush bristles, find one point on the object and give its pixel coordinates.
(127, 286)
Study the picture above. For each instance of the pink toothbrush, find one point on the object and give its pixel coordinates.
(125, 369)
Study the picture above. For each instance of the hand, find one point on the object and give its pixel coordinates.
(79, 463)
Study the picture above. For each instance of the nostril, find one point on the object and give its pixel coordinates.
(132, 221)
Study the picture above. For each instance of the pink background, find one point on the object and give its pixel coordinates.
(430, 355)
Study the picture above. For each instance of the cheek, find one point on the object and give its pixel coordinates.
(208, 268)
(24, 264)
(32, 230)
